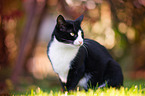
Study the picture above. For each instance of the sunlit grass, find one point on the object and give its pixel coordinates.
(39, 88)
(133, 91)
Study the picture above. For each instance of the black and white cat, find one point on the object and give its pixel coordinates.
(79, 61)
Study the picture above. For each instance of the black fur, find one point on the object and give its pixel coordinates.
(92, 58)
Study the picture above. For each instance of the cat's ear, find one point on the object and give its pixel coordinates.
(79, 20)
(60, 20)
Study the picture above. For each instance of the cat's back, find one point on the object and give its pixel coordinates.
(97, 56)
(95, 48)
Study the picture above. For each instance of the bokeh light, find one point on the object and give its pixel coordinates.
(119, 26)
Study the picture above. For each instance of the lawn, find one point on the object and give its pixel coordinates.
(131, 88)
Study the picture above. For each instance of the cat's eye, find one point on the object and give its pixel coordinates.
(72, 34)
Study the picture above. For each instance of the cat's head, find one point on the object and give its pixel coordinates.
(69, 31)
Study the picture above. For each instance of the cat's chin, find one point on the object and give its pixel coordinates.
(78, 45)
(74, 46)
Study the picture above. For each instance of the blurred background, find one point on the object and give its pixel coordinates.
(26, 27)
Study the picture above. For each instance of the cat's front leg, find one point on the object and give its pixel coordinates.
(74, 77)
(77, 70)
(63, 85)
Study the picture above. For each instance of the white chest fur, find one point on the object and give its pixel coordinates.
(61, 56)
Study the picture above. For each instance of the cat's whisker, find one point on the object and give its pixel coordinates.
(85, 49)
(81, 61)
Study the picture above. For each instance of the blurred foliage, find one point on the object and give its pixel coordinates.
(119, 25)
(10, 9)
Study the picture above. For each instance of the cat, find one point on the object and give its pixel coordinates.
(79, 61)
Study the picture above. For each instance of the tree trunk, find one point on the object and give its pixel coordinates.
(33, 21)
(3, 48)
(23, 44)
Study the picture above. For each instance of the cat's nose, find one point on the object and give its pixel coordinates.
(80, 42)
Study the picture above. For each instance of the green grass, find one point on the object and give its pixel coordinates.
(131, 88)
(133, 91)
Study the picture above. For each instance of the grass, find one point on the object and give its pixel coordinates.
(133, 91)
(131, 88)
